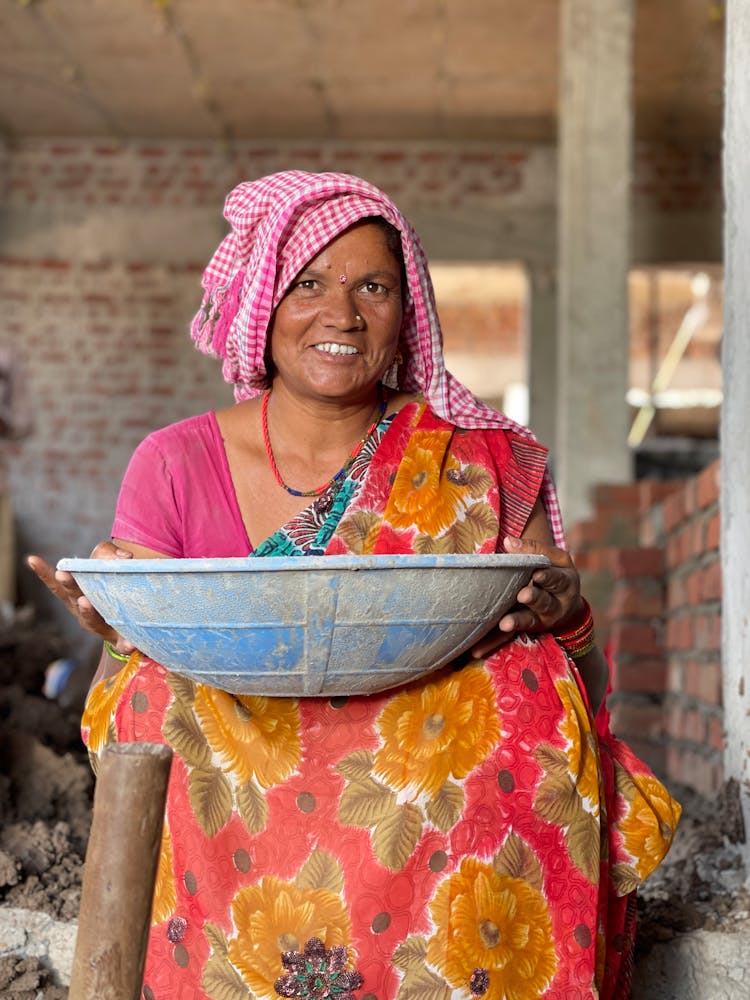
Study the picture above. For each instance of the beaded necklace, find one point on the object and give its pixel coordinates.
(344, 468)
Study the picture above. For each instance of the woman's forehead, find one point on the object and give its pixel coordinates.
(362, 240)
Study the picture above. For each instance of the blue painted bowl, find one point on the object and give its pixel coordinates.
(318, 625)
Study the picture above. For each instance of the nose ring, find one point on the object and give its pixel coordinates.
(357, 317)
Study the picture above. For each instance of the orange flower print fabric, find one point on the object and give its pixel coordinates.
(469, 835)
(437, 731)
(492, 931)
(276, 916)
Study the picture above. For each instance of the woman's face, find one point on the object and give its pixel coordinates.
(335, 332)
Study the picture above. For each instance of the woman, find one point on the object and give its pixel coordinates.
(467, 835)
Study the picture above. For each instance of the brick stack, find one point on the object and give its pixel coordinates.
(694, 721)
(649, 562)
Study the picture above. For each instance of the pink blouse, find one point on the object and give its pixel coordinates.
(178, 497)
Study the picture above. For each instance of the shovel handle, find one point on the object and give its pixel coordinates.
(120, 871)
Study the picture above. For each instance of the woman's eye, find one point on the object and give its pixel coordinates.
(374, 288)
(307, 283)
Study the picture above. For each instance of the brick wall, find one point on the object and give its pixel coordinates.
(108, 361)
(650, 561)
(694, 718)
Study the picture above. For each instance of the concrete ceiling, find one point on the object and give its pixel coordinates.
(347, 69)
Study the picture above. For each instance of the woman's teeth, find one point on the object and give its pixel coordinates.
(336, 348)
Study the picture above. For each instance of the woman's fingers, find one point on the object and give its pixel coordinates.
(108, 550)
(61, 584)
(64, 587)
(43, 570)
(490, 643)
(553, 594)
(551, 597)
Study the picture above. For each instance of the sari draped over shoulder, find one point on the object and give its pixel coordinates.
(470, 835)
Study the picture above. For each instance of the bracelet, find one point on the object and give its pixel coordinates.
(581, 639)
(115, 654)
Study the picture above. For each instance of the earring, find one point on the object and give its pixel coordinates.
(399, 358)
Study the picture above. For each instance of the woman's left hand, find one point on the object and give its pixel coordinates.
(551, 598)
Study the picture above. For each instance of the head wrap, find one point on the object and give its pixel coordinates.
(279, 223)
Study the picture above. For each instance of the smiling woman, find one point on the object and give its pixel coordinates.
(474, 833)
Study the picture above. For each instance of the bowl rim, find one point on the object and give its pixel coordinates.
(337, 563)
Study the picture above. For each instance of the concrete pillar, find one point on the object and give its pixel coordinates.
(735, 421)
(594, 248)
(541, 328)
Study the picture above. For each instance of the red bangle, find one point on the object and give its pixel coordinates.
(581, 639)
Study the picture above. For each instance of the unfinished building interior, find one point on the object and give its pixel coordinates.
(576, 169)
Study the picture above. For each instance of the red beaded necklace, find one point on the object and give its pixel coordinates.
(344, 468)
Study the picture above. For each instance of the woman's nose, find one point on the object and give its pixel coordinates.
(341, 310)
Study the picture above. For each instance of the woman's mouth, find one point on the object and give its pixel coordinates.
(333, 348)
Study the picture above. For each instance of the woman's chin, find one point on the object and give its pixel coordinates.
(337, 382)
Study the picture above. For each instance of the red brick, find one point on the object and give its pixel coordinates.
(652, 753)
(582, 535)
(635, 637)
(712, 532)
(701, 771)
(516, 156)
(51, 264)
(716, 734)
(639, 676)
(677, 550)
(677, 769)
(595, 560)
(675, 674)
(651, 527)
(690, 494)
(620, 496)
(673, 722)
(679, 633)
(707, 631)
(703, 682)
(693, 587)
(640, 717)
(694, 726)
(674, 510)
(676, 592)
(644, 599)
(654, 491)
(711, 581)
(692, 674)
(648, 562)
(708, 484)
(697, 533)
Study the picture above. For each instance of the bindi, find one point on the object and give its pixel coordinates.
(342, 278)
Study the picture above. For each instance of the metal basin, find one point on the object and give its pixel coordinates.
(319, 625)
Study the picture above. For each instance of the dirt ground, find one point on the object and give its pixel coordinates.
(46, 790)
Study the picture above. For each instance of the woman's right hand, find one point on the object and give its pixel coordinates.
(63, 585)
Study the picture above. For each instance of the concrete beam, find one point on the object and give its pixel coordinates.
(735, 421)
(595, 172)
(541, 351)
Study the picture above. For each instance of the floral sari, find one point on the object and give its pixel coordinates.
(467, 835)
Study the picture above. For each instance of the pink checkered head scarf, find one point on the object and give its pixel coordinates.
(279, 223)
